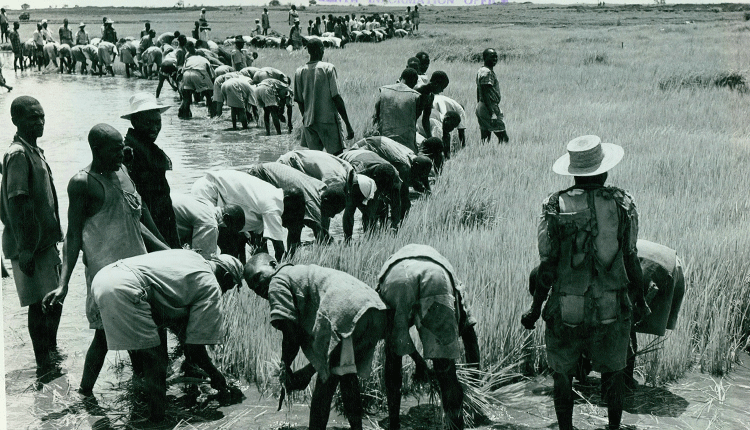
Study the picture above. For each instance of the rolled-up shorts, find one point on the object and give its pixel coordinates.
(266, 96)
(47, 265)
(606, 344)
(125, 302)
(486, 122)
(323, 137)
(354, 354)
(168, 68)
(105, 56)
(193, 80)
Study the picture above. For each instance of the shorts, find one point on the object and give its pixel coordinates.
(354, 354)
(486, 122)
(193, 80)
(47, 266)
(323, 137)
(105, 56)
(266, 96)
(168, 68)
(606, 345)
(128, 303)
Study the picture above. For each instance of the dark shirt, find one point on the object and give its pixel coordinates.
(15, 42)
(26, 172)
(148, 165)
(110, 35)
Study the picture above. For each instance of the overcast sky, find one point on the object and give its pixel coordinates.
(16, 4)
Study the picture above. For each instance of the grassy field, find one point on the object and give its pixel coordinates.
(640, 77)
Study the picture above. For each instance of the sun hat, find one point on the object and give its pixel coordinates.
(143, 102)
(44, 21)
(367, 187)
(588, 156)
(109, 21)
(81, 25)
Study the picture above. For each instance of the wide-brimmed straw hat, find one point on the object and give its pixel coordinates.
(109, 21)
(143, 102)
(81, 25)
(588, 156)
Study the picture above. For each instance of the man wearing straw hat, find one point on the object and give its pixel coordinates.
(176, 288)
(148, 164)
(589, 260)
(421, 289)
(82, 37)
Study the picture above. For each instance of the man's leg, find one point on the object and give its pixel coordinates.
(393, 385)
(234, 118)
(39, 340)
(275, 119)
(94, 362)
(451, 392)
(613, 390)
(187, 98)
(630, 367)
(485, 135)
(320, 404)
(502, 136)
(471, 346)
(155, 380)
(563, 397)
(352, 400)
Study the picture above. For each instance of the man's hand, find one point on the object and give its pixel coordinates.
(54, 298)
(26, 261)
(349, 132)
(640, 312)
(529, 318)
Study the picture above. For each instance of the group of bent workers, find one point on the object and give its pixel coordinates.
(596, 277)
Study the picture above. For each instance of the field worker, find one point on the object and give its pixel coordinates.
(424, 64)
(151, 60)
(318, 164)
(82, 37)
(50, 54)
(489, 115)
(146, 42)
(104, 221)
(292, 15)
(66, 58)
(272, 96)
(258, 29)
(221, 70)
(218, 98)
(372, 185)
(587, 246)
(107, 55)
(250, 72)
(266, 207)
(28, 193)
(197, 78)
(91, 53)
(209, 230)
(296, 40)
(265, 21)
(336, 319)
(202, 17)
(269, 72)
(17, 47)
(181, 49)
(128, 52)
(168, 71)
(398, 108)
(39, 46)
(319, 101)
(65, 33)
(420, 288)
(78, 56)
(290, 180)
(414, 170)
(450, 115)
(3, 26)
(109, 35)
(2, 78)
(662, 271)
(238, 57)
(240, 96)
(177, 288)
(146, 29)
(46, 33)
(148, 164)
(415, 17)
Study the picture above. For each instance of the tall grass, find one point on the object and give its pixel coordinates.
(686, 159)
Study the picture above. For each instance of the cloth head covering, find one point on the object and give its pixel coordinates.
(588, 156)
(367, 187)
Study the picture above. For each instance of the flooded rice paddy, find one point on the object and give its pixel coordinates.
(73, 104)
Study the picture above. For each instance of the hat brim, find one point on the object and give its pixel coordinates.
(160, 108)
(612, 156)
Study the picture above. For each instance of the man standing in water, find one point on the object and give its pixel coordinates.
(148, 164)
(587, 246)
(29, 212)
(104, 221)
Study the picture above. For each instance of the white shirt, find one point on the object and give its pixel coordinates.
(262, 202)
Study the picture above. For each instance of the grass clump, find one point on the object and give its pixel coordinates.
(595, 58)
(731, 79)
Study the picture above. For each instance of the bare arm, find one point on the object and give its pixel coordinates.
(341, 108)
